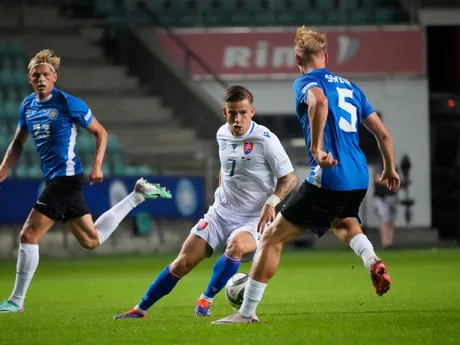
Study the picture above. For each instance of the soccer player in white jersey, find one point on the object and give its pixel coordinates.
(330, 109)
(256, 174)
(52, 117)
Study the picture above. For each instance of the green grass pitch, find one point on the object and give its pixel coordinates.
(317, 297)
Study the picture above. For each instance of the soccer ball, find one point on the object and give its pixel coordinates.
(234, 290)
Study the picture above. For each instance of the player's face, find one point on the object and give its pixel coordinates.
(42, 79)
(239, 116)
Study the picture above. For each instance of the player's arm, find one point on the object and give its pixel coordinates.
(383, 137)
(318, 109)
(317, 114)
(282, 169)
(81, 114)
(284, 186)
(14, 151)
(99, 132)
(385, 143)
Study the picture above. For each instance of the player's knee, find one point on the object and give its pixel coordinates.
(182, 265)
(236, 248)
(89, 243)
(28, 234)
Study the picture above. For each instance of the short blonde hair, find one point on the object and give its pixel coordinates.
(45, 57)
(309, 42)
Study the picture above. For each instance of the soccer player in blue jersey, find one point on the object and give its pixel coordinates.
(52, 117)
(330, 109)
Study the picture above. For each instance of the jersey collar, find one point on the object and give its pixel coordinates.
(245, 134)
(46, 99)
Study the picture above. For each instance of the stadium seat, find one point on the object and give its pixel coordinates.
(288, 18)
(334, 17)
(385, 15)
(22, 170)
(325, 5)
(30, 147)
(113, 145)
(292, 5)
(103, 7)
(351, 5)
(313, 17)
(363, 16)
(6, 77)
(35, 171)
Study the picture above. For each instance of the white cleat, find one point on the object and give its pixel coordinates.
(236, 318)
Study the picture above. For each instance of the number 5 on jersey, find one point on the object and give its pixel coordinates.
(344, 124)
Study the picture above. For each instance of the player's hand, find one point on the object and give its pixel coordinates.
(96, 175)
(3, 174)
(266, 217)
(324, 160)
(392, 179)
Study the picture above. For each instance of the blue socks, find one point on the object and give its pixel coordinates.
(223, 270)
(163, 285)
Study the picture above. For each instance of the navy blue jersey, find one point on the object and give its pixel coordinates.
(53, 124)
(348, 106)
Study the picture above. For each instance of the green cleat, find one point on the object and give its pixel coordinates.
(151, 191)
(10, 307)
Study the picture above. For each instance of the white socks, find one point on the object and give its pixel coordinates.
(109, 221)
(252, 295)
(363, 248)
(25, 269)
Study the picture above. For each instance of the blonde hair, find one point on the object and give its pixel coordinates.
(309, 42)
(45, 57)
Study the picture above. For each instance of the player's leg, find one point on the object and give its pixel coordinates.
(193, 251)
(305, 210)
(35, 227)
(242, 243)
(280, 233)
(347, 229)
(91, 235)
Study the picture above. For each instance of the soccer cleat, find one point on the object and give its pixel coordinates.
(236, 318)
(380, 277)
(151, 190)
(131, 314)
(202, 308)
(10, 307)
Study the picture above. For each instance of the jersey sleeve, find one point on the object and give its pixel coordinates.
(366, 107)
(276, 156)
(22, 117)
(79, 112)
(303, 85)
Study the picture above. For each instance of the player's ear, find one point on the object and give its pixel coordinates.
(298, 60)
(55, 77)
(29, 78)
(224, 112)
(326, 57)
(253, 112)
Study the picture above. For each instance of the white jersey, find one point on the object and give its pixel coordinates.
(250, 167)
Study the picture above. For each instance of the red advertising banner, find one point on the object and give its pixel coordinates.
(271, 53)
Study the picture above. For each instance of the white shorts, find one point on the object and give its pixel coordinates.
(386, 208)
(216, 230)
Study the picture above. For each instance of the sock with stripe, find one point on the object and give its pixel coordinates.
(223, 270)
(163, 285)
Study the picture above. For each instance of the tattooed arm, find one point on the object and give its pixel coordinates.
(285, 185)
